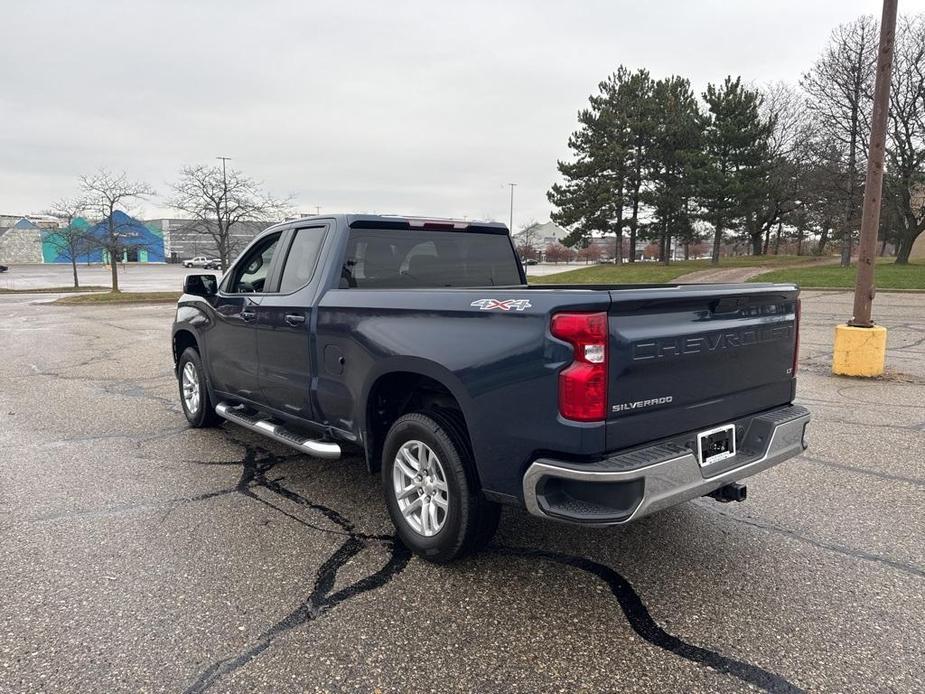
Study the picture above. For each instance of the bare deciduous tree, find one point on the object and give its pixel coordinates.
(70, 240)
(905, 180)
(782, 105)
(805, 173)
(839, 87)
(218, 199)
(528, 232)
(526, 240)
(105, 193)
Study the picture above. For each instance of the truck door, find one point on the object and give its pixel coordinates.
(233, 360)
(284, 320)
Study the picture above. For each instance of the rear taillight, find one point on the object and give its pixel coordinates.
(797, 310)
(583, 384)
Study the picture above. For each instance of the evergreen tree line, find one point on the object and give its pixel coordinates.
(756, 166)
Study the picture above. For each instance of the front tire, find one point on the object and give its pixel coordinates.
(431, 491)
(194, 392)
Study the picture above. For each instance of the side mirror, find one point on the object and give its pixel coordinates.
(255, 265)
(200, 285)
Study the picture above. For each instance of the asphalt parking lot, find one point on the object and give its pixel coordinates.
(154, 277)
(132, 277)
(137, 554)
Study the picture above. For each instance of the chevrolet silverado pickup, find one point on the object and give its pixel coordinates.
(418, 344)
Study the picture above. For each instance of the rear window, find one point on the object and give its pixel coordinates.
(408, 259)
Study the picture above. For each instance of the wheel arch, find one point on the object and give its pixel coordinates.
(185, 335)
(182, 339)
(409, 386)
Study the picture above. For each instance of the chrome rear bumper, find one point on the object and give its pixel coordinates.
(636, 483)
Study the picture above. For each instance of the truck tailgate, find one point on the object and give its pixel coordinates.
(688, 357)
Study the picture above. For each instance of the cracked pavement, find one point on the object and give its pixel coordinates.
(137, 554)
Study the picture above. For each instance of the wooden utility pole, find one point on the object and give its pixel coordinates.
(873, 185)
(860, 346)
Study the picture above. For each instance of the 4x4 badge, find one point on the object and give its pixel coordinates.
(502, 304)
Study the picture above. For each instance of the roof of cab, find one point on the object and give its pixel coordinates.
(382, 221)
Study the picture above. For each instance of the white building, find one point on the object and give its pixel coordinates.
(21, 242)
(540, 235)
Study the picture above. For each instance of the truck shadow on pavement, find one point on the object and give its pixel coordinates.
(257, 464)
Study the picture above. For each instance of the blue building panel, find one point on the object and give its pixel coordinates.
(142, 244)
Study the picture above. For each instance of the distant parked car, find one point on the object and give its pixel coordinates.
(3, 268)
(203, 262)
(530, 261)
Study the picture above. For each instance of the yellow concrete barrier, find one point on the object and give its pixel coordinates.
(859, 351)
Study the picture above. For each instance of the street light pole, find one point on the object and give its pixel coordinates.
(511, 224)
(224, 178)
(222, 231)
(873, 185)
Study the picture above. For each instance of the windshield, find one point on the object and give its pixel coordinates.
(379, 258)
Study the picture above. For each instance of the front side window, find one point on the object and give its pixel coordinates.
(250, 275)
(381, 258)
(300, 262)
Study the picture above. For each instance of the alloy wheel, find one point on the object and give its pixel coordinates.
(191, 392)
(419, 482)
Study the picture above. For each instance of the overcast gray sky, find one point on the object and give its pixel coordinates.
(413, 107)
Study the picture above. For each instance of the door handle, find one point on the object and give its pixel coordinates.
(295, 319)
(248, 315)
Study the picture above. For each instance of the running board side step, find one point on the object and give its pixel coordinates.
(313, 447)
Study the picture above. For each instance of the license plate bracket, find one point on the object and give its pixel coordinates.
(716, 444)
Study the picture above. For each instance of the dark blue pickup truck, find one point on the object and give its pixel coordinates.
(419, 344)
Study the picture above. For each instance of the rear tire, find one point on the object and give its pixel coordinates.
(431, 490)
(194, 391)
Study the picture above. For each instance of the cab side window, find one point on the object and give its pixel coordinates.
(301, 259)
(250, 275)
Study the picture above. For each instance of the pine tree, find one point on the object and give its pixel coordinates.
(592, 198)
(735, 151)
(672, 157)
(637, 99)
